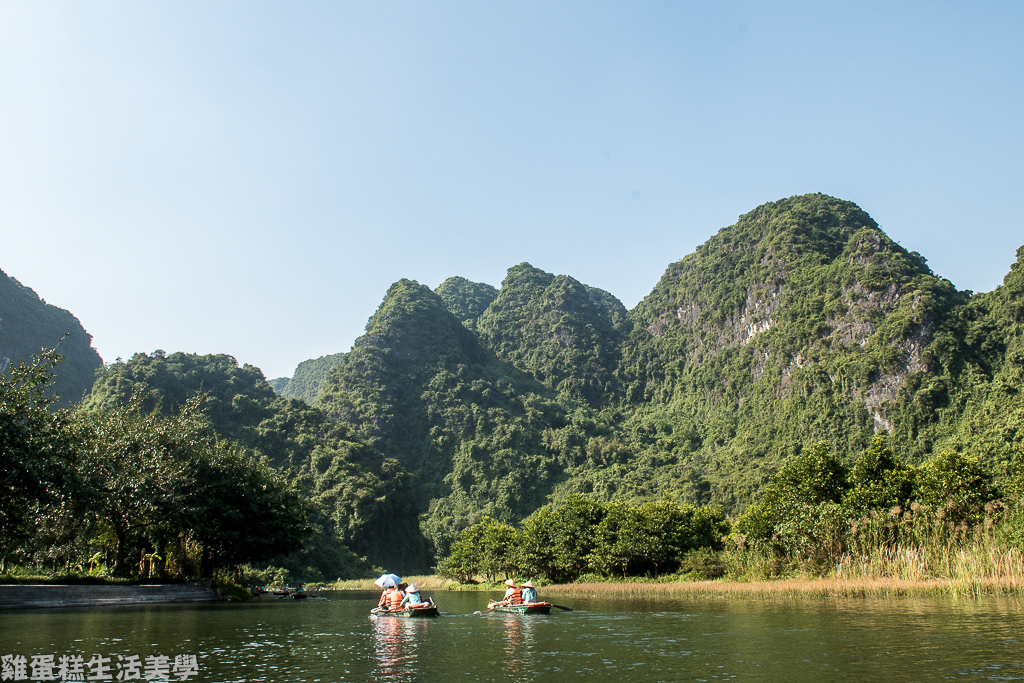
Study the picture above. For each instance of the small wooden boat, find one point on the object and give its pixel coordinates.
(412, 612)
(524, 608)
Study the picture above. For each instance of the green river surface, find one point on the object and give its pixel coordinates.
(332, 638)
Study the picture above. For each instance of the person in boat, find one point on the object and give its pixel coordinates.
(513, 595)
(385, 597)
(394, 600)
(529, 592)
(412, 598)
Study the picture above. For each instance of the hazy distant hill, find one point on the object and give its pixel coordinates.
(28, 324)
(308, 378)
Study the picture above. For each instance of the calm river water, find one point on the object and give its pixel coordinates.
(333, 639)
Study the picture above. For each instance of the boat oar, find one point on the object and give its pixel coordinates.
(489, 609)
(567, 609)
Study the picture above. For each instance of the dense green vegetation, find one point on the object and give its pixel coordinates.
(466, 300)
(582, 536)
(131, 492)
(28, 323)
(361, 508)
(769, 359)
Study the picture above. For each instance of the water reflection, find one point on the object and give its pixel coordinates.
(520, 635)
(332, 641)
(395, 643)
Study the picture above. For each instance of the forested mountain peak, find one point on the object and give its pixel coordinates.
(237, 396)
(413, 325)
(28, 324)
(410, 336)
(809, 272)
(564, 333)
(748, 265)
(466, 300)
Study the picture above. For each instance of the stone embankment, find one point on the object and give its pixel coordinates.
(37, 596)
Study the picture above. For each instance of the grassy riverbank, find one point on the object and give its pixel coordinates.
(773, 588)
(984, 568)
(785, 588)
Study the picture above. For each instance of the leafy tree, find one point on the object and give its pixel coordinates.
(129, 462)
(34, 450)
(652, 538)
(487, 548)
(799, 509)
(879, 480)
(956, 483)
(558, 540)
(236, 507)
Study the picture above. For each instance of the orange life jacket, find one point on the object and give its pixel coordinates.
(395, 599)
(515, 597)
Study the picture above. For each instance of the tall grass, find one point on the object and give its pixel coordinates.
(429, 582)
(917, 550)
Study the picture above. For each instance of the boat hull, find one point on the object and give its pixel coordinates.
(529, 608)
(415, 613)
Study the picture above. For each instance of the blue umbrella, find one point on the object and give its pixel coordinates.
(386, 580)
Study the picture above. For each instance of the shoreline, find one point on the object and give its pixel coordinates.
(45, 596)
(773, 588)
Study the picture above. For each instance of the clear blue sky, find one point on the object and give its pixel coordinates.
(250, 177)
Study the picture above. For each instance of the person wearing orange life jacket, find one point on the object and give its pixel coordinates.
(395, 599)
(383, 602)
(513, 596)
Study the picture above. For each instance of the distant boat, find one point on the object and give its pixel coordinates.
(522, 608)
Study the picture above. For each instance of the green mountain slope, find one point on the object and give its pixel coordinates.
(470, 428)
(564, 333)
(362, 500)
(801, 322)
(28, 324)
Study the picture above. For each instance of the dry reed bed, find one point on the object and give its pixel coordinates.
(431, 582)
(786, 588)
(980, 569)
